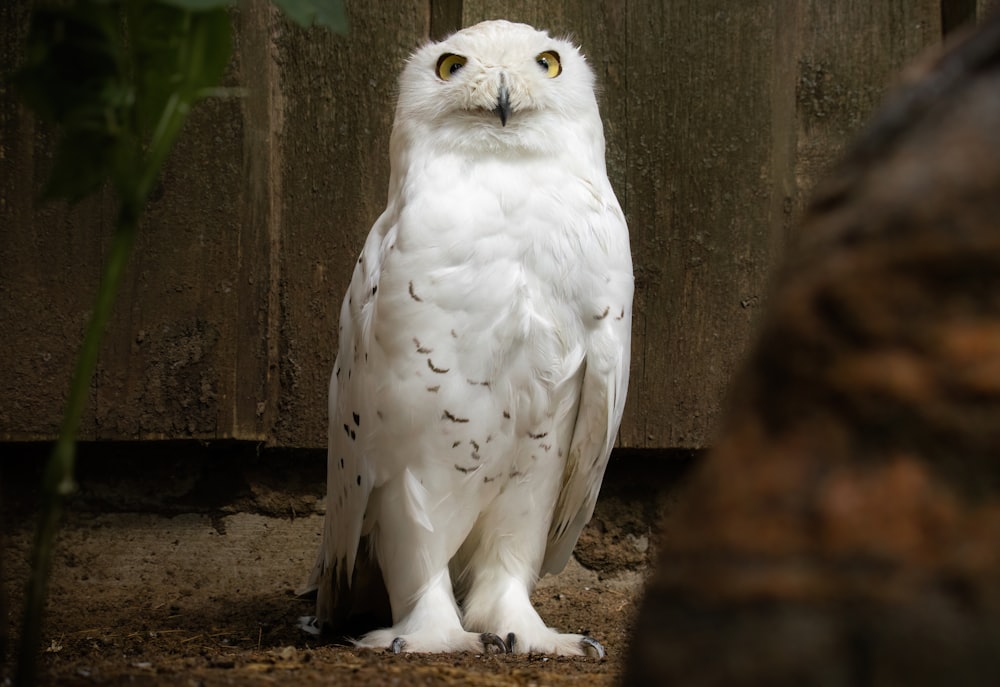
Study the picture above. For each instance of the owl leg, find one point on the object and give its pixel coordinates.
(501, 571)
(413, 553)
(503, 604)
(432, 626)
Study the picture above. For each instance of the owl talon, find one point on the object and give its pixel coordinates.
(511, 642)
(398, 644)
(591, 647)
(491, 641)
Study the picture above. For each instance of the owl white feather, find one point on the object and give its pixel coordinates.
(483, 351)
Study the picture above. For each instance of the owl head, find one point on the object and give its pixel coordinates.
(498, 86)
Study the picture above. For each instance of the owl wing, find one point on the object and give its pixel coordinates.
(350, 467)
(602, 402)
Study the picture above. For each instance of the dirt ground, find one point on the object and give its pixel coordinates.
(177, 565)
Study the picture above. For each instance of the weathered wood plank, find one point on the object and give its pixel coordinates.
(166, 368)
(718, 169)
(256, 367)
(50, 258)
(188, 353)
(446, 18)
(719, 119)
(698, 202)
(851, 52)
(338, 94)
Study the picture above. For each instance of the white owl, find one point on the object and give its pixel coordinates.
(483, 351)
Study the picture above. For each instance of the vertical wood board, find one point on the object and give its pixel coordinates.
(50, 258)
(338, 95)
(719, 117)
(164, 370)
(698, 205)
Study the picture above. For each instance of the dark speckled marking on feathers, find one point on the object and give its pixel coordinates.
(439, 370)
(414, 296)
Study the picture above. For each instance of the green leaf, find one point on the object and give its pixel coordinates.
(72, 77)
(156, 35)
(210, 47)
(71, 65)
(176, 55)
(184, 65)
(328, 13)
(83, 163)
(118, 77)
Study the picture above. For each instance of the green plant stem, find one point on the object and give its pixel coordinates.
(133, 190)
(58, 482)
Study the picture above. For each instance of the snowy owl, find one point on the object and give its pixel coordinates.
(483, 352)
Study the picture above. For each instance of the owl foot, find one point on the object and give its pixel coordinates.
(592, 648)
(491, 644)
(433, 642)
(564, 645)
(501, 602)
(491, 641)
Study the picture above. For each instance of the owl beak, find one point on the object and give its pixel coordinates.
(502, 109)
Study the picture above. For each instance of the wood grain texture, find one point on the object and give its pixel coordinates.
(166, 367)
(50, 261)
(851, 52)
(719, 117)
(256, 369)
(183, 356)
(698, 162)
(190, 353)
(338, 95)
(445, 18)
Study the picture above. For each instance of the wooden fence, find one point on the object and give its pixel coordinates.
(720, 116)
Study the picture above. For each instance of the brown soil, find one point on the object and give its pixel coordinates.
(177, 564)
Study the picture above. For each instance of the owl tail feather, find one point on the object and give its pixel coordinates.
(343, 608)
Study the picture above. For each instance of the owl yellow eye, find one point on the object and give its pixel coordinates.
(448, 64)
(549, 61)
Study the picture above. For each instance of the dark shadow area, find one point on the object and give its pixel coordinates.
(172, 477)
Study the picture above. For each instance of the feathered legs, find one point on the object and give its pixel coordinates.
(431, 625)
(413, 554)
(500, 574)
